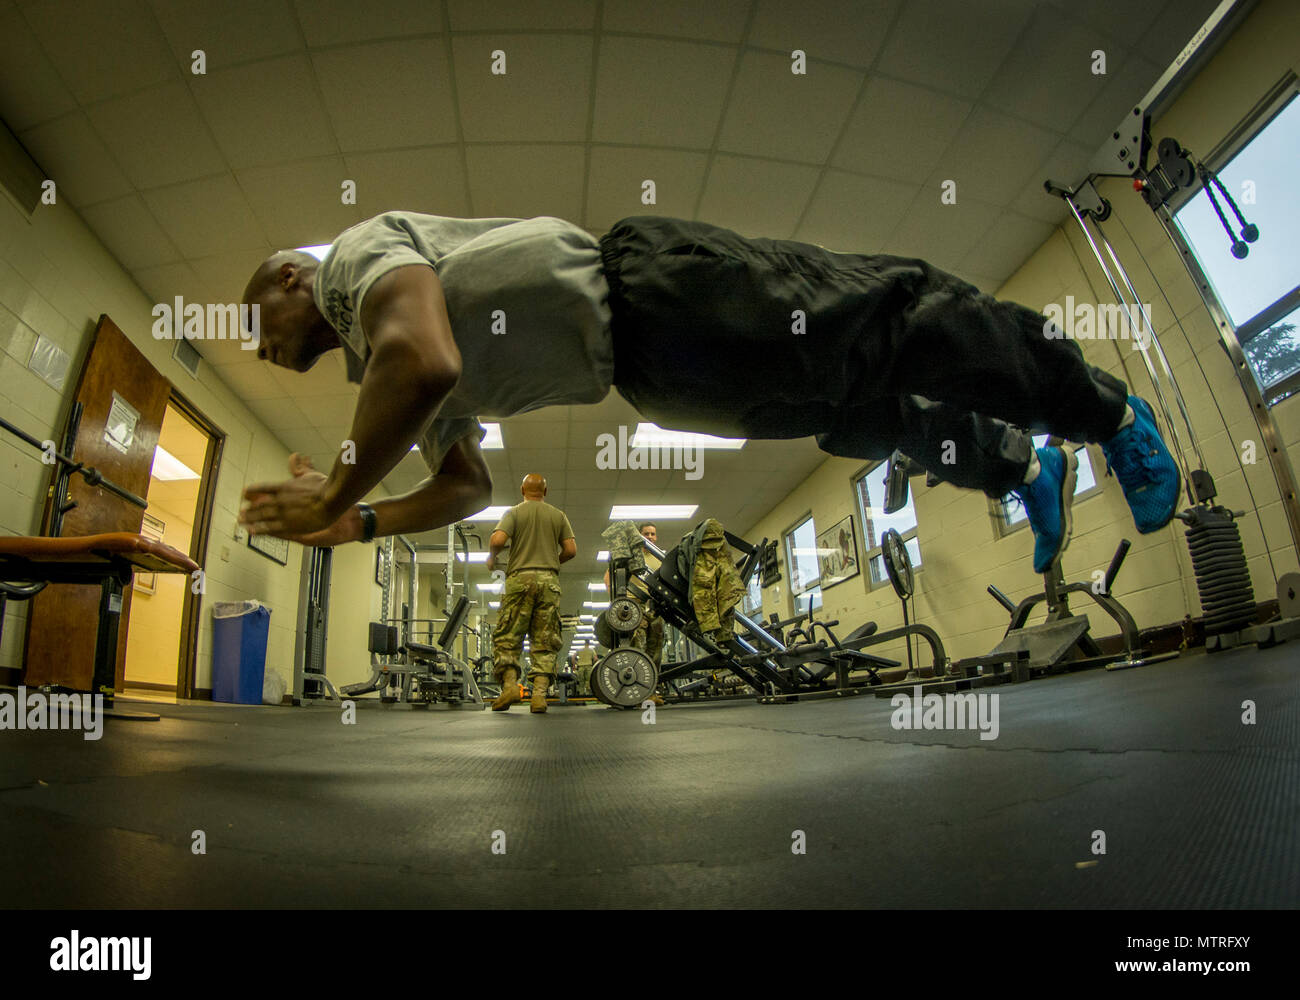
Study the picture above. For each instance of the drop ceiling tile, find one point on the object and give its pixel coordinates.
(102, 50)
(31, 90)
(430, 180)
(300, 204)
(993, 157)
(690, 86)
(757, 197)
(853, 214)
(324, 411)
(166, 281)
(319, 380)
(1122, 20)
(252, 125)
(1008, 243)
(250, 380)
(844, 31)
(775, 112)
(518, 15)
(157, 136)
(72, 155)
(1065, 166)
(1048, 78)
(1126, 84)
(130, 232)
(233, 31)
(335, 22)
(618, 174)
(942, 234)
(224, 275)
(899, 130)
(717, 21)
(542, 96)
(520, 182)
(388, 95)
(206, 217)
(953, 45)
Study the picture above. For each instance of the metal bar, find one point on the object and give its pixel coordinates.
(1151, 371)
(1149, 330)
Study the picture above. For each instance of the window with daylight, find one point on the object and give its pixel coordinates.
(1010, 512)
(1260, 294)
(754, 596)
(870, 491)
(805, 570)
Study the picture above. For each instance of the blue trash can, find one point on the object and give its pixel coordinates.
(239, 633)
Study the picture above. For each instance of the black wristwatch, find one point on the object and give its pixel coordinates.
(369, 521)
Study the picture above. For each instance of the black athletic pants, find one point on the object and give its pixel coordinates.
(741, 337)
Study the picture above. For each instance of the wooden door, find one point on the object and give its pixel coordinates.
(115, 379)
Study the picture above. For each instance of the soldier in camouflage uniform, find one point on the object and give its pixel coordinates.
(540, 539)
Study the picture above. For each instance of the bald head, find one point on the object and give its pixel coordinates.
(533, 487)
(291, 331)
(271, 270)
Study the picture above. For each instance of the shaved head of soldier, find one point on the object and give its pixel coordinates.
(290, 331)
(533, 487)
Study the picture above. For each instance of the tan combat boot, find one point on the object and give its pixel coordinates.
(509, 691)
(541, 684)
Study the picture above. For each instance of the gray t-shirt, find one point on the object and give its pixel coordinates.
(528, 304)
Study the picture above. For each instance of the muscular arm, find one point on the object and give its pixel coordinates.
(462, 486)
(414, 365)
(568, 549)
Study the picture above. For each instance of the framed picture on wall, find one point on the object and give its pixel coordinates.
(153, 528)
(837, 553)
(275, 549)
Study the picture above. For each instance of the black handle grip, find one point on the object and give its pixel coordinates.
(1117, 560)
(1001, 598)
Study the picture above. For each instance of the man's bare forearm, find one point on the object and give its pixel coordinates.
(398, 396)
(437, 502)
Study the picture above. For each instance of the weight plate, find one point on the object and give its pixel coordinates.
(898, 564)
(1288, 595)
(625, 678)
(623, 615)
(593, 681)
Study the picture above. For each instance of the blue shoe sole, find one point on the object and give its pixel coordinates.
(1178, 471)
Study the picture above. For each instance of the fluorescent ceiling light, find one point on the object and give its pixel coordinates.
(602, 555)
(663, 511)
(595, 604)
(494, 604)
(596, 586)
(587, 618)
(168, 468)
(488, 514)
(474, 557)
(652, 436)
(318, 252)
(491, 588)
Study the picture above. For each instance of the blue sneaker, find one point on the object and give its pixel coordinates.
(1147, 472)
(1047, 501)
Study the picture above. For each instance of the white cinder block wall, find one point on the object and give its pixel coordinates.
(961, 550)
(56, 278)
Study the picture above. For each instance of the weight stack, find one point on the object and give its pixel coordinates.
(1222, 576)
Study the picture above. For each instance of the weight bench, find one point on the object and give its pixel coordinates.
(431, 669)
(28, 564)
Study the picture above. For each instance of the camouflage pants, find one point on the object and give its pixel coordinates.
(715, 590)
(649, 635)
(530, 606)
